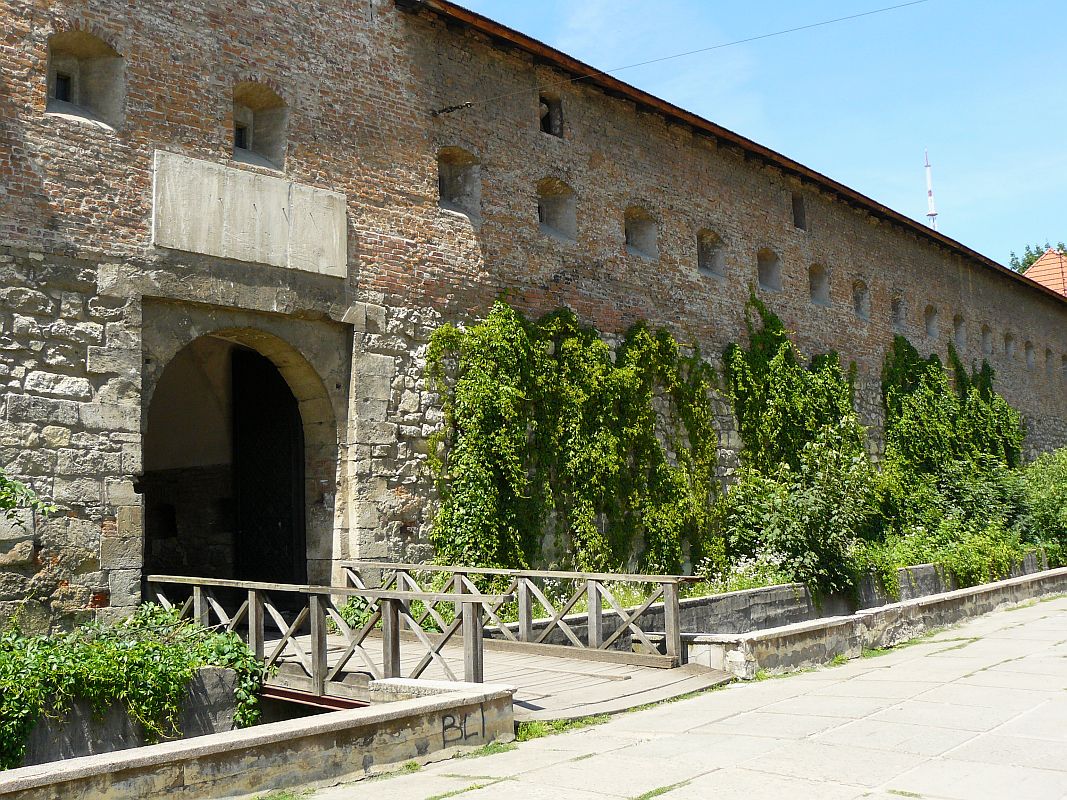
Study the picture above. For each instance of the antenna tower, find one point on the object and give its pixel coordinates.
(931, 209)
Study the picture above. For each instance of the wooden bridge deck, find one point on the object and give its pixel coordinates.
(551, 686)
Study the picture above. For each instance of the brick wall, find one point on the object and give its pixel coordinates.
(78, 358)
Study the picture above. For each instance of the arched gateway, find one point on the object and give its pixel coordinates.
(239, 453)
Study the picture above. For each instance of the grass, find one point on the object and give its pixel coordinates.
(490, 749)
(535, 729)
(284, 794)
(472, 788)
(661, 790)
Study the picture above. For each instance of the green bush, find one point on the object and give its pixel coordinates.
(1044, 483)
(803, 521)
(144, 663)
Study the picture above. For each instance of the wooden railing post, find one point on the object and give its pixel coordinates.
(595, 634)
(672, 623)
(316, 608)
(201, 609)
(522, 589)
(458, 587)
(473, 667)
(255, 622)
(390, 637)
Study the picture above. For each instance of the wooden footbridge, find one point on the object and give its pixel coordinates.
(562, 639)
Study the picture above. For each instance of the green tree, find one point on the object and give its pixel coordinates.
(1032, 253)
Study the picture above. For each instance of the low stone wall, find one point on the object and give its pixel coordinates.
(773, 606)
(208, 708)
(813, 642)
(441, 720)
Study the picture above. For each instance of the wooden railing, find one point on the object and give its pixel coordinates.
(250, 609)
(538, 616)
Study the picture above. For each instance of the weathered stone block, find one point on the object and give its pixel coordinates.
(64, 386)
(55, 436)
(18, 554)
(113, 361)
(110, 417)
(121, 552)
(120, 492)
(125, 586)
(42, 409)
(78, 491)
(30, 301)
(366, 364)
(84, 332)
(87, 462)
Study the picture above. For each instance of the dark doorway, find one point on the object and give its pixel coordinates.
(268, 473)
(224, 468)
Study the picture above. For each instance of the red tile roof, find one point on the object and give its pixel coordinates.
(1050, 270)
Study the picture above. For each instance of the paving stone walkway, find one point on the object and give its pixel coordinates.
(978, 711)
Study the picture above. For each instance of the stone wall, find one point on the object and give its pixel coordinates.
(208, 708)
(91, 311)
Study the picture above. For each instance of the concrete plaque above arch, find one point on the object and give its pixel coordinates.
(229, 212)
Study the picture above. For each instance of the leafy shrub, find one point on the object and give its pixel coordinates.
(1044, 483)
(144, 662)
(803, 521)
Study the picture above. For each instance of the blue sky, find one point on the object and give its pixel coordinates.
(980, 83)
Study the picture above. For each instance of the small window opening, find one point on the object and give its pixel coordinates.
(819, 284)
(987, 341)
(63, 86)
(959, 333)
(711, 253)
(769, 270)
(933, 326)
(861, 299)
(1031, 356)
(551, 111)
(1009, 345)
(86, 78)
(1063, 367)
(898, 313)
(640, 231)
(800, 218)
(557, 209)
(459, 181)
(260, 125)
(1050, 363)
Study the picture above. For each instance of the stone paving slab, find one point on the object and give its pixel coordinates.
(984, 719)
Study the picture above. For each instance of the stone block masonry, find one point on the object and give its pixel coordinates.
(93, 311)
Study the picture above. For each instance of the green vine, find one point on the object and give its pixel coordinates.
(548, 431)
(780, 404)
(145, 663)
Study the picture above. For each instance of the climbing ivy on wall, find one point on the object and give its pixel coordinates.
(547, 430)
(781, 404)
(804, 489)
(930, 423)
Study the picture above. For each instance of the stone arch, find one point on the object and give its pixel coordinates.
(202, 409)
